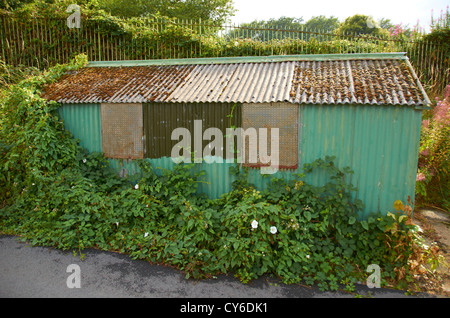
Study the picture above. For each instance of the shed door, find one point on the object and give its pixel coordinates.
(122, 131)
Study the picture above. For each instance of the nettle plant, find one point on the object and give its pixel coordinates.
(54, 193)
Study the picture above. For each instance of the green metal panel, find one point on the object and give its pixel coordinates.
(84, 122)
(380, 144)
(250, 59)
(160, 119)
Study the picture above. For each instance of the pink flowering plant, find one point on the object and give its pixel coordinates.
(432, 182)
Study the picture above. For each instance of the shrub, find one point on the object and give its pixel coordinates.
(433, 182)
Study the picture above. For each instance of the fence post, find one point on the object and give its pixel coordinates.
(3, 38)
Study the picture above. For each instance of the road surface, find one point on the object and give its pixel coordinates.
(42, 272)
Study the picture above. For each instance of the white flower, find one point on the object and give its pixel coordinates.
(146, 234)
(273, 229)
(84, 160)
(117, 223)
(136, 186)
(254, 224)
(307, 256)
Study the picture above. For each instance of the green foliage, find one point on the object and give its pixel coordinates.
(440, 31)
(262, 30)
(433, 178)
(56, 194)
(217, 11)
(13, 74)
(33, 141)
(13, 4)
(361, 24)
(322, 23)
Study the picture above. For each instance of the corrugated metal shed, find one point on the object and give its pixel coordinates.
(361, 79)
(335, 96)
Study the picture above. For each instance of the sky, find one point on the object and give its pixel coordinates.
(398, 11)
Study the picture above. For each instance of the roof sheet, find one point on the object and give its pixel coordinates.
(343, 80)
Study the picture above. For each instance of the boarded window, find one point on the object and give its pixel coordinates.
(283, 116)
(161, 119)
(122, 131)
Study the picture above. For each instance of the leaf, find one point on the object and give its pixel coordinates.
(398, 205)
(365, 225)
(352, 220)
(392, 227)
(392, 215)
(308, 215)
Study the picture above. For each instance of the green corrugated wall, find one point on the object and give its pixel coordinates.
(380, 143)
(84, 122)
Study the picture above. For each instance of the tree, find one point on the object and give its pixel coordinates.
(361, 24)
(322, 23)
(278, 29)
(273, 29)
(13, 4)
(217, 11)
(385, 24)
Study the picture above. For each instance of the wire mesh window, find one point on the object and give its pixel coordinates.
(283, 116)
(122, 131)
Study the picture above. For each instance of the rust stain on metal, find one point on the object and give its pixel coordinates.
(122, 131)
(355, 81)
(118, 84)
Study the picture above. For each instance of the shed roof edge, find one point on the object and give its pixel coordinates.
(251, 59)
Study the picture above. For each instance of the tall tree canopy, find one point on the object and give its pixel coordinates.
(361, 24)
(262, 30)
(13, 4)
(322, 23)
(212, 10)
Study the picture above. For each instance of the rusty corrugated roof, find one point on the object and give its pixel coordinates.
(322, 80)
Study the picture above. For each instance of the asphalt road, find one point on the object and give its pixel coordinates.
(42, 272)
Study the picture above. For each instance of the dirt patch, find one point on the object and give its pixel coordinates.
(435, 226)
